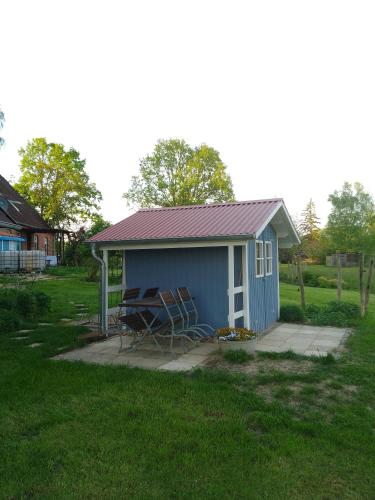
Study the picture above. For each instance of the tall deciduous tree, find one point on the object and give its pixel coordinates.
(350, 223)
(55, 182)
(351, 228)
(178, 174)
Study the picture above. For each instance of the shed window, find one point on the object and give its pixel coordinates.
(268, 257)
(46, 245)
(259, 259)
(36, 242)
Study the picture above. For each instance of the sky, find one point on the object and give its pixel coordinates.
(284, 90)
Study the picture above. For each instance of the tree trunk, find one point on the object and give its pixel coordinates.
(339, 276)
(369, 282)
(361, 284)
(301, 284)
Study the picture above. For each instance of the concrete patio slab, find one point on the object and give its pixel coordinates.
(147, 355)
(302, 339)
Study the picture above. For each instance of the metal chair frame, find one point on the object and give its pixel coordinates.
(176, 317)
(191, 312)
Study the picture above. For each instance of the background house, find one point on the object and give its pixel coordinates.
(22, 228)
(227, 254)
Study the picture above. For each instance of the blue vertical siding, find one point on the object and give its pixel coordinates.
(203, 270)
(263, 292)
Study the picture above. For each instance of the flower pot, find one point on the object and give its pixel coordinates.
(235, 345)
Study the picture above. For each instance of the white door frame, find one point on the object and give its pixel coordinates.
(232, 290)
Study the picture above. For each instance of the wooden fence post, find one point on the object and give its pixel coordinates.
(339, 281)
(369, 282)
(301, 284)
(361, 284)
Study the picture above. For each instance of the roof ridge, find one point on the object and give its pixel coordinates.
(209, 205)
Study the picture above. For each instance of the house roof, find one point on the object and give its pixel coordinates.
(16, 212)
(213, 221)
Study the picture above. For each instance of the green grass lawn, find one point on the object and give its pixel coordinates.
(72, 430)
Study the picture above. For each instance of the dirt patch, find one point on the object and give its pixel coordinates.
(260, 365)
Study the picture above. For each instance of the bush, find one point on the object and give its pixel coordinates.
(329, 318)
(311, 310)
(349, 310)
(292, 314)
(43, 302)
(26, 304)
(9, 320)
(310, 279)
(237, 356)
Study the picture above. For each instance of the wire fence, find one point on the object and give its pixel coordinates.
(26, 261)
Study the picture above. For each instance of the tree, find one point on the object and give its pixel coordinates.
(350, 227)
(2, 121)
(55, 182)
(77, 252)
(351, 219)
(309, 230)
(178, 174)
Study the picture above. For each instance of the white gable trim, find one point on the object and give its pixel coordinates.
(279, 206)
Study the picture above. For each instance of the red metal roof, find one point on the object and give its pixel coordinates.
(193, 221)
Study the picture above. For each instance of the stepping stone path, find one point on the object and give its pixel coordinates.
(63, 347)
(35, 344)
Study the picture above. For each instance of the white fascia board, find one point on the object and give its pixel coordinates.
(183, 244)
(279, 206)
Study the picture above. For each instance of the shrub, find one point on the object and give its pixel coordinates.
(311, 310)
(326, 282)
(349, 310)
(310, 279)
(43, 302)
(237, 356)
(329, 318)
(292, 314)
(26, 304)
(9, 320)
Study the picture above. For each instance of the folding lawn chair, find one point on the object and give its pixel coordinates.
(140, 324)
(191, 313)
(177, 326)
(150, 292)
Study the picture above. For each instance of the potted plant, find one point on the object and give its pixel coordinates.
(236, 338)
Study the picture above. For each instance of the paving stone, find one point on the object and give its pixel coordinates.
(266, 348)
(24, 331)
(35, 344)
(316, 353)
(45, 324)
(177, 366)
(20, 338)
(65, 320)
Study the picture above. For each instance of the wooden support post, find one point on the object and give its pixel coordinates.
(339, 276)
(301, 284)
(369, 282)
(105, 292)
(361, 284)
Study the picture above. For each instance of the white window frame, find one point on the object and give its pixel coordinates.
(259, 259)
(268, 257)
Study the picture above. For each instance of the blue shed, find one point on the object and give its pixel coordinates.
(225, 253)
